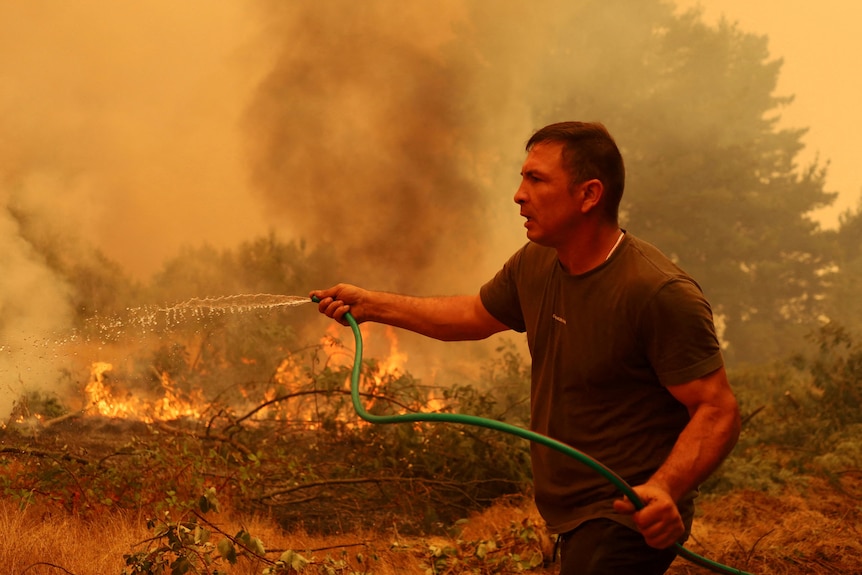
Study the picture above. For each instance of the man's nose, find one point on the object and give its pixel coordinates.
(520, 195)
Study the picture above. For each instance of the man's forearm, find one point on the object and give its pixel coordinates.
(448, 318)
(704, 443)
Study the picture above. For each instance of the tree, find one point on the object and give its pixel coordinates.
(723, 194)
(711, 181)
(842, 302)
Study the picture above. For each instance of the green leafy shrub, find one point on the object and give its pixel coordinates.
(800, 417)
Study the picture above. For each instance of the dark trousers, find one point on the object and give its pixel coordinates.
(605, 547)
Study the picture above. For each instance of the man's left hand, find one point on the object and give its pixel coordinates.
(659, 520)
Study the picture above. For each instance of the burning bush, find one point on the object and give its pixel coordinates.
(289, 445)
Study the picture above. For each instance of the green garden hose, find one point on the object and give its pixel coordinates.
(596, 466)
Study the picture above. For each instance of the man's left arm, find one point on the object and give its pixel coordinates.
(708, 438)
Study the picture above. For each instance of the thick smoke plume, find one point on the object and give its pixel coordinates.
(34, 305)
(361, 137)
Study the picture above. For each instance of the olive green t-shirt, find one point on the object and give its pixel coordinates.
(604, 345)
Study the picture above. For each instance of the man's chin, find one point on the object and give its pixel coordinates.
(536, 238)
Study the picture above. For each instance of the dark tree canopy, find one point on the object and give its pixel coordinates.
(712, 180)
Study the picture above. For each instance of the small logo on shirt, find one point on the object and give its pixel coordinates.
(562, 320)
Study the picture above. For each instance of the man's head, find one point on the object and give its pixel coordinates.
(589, 152)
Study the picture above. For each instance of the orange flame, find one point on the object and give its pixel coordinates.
(103, 397)
(393, 365)
(172, 405)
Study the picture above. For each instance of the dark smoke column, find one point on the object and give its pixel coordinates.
(356, 141)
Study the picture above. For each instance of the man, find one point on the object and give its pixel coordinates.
(626, 365)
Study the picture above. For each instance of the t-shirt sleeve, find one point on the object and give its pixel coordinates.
(500, 295)
(679, 333)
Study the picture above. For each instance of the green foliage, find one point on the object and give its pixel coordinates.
(422, 475)
(515, 550)
(507, 377)
(842, 301)
(721, 193)
(32, 403)
(836, 372)
(183, 546)
(186, 545)
(845, 452)
(802, 417)
(288, 563)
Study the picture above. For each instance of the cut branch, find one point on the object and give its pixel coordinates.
(458, 485)
(43, 454)
(206, 437)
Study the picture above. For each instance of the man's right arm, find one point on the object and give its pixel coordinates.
(447, 318)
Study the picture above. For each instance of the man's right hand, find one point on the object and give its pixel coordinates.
(336, 301)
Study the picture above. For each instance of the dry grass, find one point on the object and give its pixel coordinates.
(38, 542)
(812, 531)
(816, 531)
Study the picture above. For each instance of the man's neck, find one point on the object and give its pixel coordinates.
(589, 250)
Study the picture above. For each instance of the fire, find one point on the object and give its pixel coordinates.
(391, 367)
(99, 397)
(286, 398)
(172, 405)
(297, 410)
(336, 354)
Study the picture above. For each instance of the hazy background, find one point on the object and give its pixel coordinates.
(132, 117)
(142, 129)
(819, 45)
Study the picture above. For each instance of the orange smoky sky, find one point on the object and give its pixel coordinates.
(120, 122)
(130, 126)
(819, 45)
(119, 131)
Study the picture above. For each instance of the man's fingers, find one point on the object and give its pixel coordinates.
(332, 308)
(662, 536)
(624, 506)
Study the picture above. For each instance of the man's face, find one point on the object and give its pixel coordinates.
(545, 195)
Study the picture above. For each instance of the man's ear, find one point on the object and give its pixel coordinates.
(592, 192)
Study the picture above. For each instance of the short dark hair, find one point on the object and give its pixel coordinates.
(589, 152)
